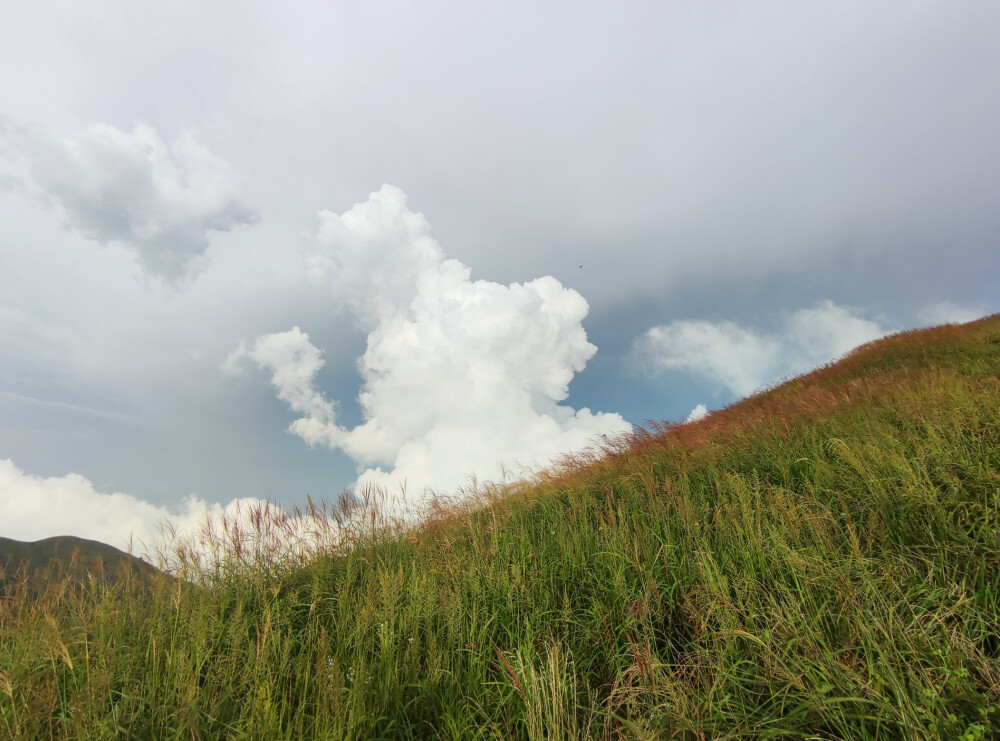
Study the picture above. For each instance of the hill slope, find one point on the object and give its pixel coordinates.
(76, 556)
(819, 561)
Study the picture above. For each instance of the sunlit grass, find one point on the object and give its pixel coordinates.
(820, 561)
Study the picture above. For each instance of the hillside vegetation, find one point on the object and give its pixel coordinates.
(818, 561)
(37, 563)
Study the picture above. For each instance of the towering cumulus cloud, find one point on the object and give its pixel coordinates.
(458, 377)
(130, 187)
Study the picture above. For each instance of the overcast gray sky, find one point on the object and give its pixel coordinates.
(263, 250)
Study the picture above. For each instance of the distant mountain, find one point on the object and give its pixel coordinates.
(69, 556)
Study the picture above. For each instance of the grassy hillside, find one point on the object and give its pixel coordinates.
(64, 556)
(820, 561)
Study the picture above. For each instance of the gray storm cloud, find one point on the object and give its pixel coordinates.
(458, 377)
(130, 187)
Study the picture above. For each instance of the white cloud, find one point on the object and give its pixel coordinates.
(294, 362)
(458, 375)
(130, 187)
(744, 360)
(825, 332)
(947, 312)
(34, 507)
(699, 412)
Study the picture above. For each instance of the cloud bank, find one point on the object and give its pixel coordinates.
(458, 375)
(159, 201)
(34, 507)
(744, 360)
(948, 312)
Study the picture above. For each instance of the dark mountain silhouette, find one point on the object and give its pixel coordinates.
(66, 556)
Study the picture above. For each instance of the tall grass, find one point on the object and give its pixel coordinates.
(820, 561)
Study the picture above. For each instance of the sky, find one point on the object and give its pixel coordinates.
(257, 251)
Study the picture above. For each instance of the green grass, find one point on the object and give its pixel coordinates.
(820, 561)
